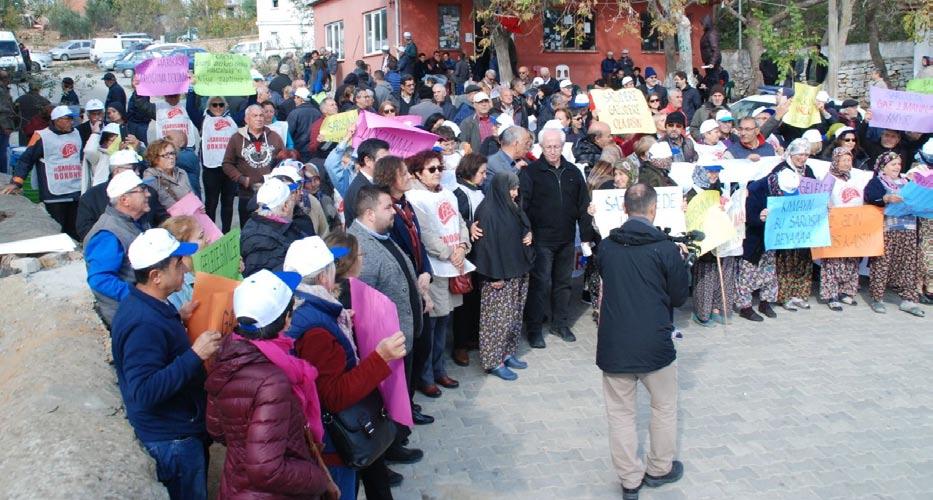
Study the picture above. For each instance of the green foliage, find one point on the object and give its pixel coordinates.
(100, 13)
(141, 15)
(784, 44)
(212, 18)
(10, 11)
(918, 22)
(249, 9)
(69, 23)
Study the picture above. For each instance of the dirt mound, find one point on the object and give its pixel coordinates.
(65, 434)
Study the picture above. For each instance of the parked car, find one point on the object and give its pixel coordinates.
(41, 61)
(72, 49)
(11, 59)
(127, 65)
(107, 63)
(132, 35)
(189, 53)
(767, 97)
(111, 47)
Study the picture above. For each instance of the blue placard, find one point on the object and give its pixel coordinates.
(918, 200)
(800, 221)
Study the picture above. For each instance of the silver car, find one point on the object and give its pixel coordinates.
(41, 61)
(72, 49)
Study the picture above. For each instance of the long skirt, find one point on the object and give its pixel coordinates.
(839, 276)
(593, 283)
(751, 277)
(500, 320)
(707, 294)
(926, 246)
(899, 267)
(795, 274)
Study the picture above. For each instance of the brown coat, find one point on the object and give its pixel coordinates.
(243, 158)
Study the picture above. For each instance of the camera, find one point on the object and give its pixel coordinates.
(691, 240)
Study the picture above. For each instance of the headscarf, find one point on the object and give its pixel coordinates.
(882, 161)
(503, 256)
(834, 166)
(700, 179)
(798, 146)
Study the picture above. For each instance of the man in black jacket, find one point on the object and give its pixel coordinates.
(555, 198)
(115, 93)
(644, 278)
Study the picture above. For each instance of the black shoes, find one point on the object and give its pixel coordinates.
(401, 455)
(750, 314)
(677, 472)
(766, 309)
(394, 478)
(564, 333)
(536, 339)
(631, 494)
(420, 418)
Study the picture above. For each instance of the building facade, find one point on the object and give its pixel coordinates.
(285, 25)
(357, 30)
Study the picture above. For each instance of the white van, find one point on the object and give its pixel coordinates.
(11, 59)
(110, 47)
(248, 48)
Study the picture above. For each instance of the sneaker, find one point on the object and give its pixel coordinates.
(835, 306)
(789, 306)
(912, 308)
(847, 300)
(800, 303)
(503, 372)
(766, 309)
(707, 323)
(878, 307)
(717, 318)
(750, 314)
(630, 493)
(677, 472)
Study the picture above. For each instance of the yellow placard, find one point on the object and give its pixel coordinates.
(624, 110)
(698, 206)
(335, 127)
(803, 111)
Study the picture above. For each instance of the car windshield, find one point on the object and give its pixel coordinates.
(8, 48)
(63, 45)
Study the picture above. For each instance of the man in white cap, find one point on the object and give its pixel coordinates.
(95, 116)
(408, 55)
(270, 230)
(109, 274)
(159, 371)
(475, 129)
(300, 119)
(56, 154)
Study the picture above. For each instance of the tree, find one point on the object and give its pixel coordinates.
(840, 22)
(68, 23)
(100, 14)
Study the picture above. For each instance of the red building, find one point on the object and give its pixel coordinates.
(357, 30)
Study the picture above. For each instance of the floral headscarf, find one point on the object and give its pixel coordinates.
(834, 166)
(892, 186)
(700, 179)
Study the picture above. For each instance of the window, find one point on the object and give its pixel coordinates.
(568, 31)
(375, 31)
(650, 41)
(333, 38)
(275, 4)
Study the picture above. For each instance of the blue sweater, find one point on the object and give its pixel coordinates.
(161, 378)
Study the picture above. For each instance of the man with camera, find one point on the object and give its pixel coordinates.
(644, 278)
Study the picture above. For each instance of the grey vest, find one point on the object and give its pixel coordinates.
(123, 227)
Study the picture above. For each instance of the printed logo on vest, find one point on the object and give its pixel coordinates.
(849, 194)
(221, 124)
(445, 212)
(172, 113)
(68, 150)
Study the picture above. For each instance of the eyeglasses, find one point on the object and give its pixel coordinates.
(218, 105)
(435, 169)
(168, 155)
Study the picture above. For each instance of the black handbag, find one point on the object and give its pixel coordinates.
(361, 433)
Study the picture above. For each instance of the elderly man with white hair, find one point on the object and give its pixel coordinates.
(555, 198)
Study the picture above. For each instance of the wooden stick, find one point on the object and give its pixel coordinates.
(722, 289)
(317, 455)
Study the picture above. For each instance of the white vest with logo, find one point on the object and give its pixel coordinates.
(61, 157)
(280, 127)
(215, 134)
(174, 118)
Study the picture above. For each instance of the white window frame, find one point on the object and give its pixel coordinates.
(333, 38)
(375, 31)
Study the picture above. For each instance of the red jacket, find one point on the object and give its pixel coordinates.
(252, 410)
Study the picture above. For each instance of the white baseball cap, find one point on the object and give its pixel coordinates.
(94, 105)
(565, 83)
(788, 180)
(759, 110)
(453, 126)
(263, 296)
(627, 80)
(724, 116)
(843, 130)
(503, 122)
(822, 96)
(813, 136)
(406, 34)
(537, 81)
(61, 112)
(273, 193)
(123, 183)
(156, 245)
(124, 157)
(660, 150)
(303, 93)
(286, 170)
(581, 101)
(480, 97)
(255, 74)
(708, 126)
(308, 255)
(111, 128)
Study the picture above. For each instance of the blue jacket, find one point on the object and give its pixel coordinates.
(104, 255)
(316, 312)
(161, 379)
(340, 174)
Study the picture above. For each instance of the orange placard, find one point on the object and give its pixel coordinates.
(215, 305)
(855, 232)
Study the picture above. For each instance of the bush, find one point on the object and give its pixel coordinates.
(70, 24)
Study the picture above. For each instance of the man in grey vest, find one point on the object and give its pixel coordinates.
(109, 273)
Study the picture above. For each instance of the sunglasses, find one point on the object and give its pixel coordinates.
(432, 170)
(851, 139)
(389, 110)
(218, 105)
(654, 100)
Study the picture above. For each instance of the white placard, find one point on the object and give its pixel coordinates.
(610, 212)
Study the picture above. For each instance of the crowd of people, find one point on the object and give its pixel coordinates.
(472, 242)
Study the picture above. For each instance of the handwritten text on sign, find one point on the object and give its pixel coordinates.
(221, 257)
(907, 111)
(855, 232)
(797, 222)
(222, 74)
(334, 128)
(162, 76)
(803, 111)
(625, 110)
(610, 211)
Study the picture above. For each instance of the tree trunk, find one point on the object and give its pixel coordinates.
(670, 58)
(832, 37)
(500, 41)
(871, 11)
(753, 45)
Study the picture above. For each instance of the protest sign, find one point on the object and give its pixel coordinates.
(682, 174)
(698, 206)
(907, 111)
(921, 85)
(404, 140)
(855, 232)
(800, 221)
(811, 186)
(60, 242)
(335, 127)
(735, 209)
(704, 214)
(215, 305)
(375, 318)
(744, 171)
(671, 209)
(189, 204)
(222, 75)
(625, 110)
(918, 200)
(803, 111)
(609, 211)
(438, 215)
(410, 120)
(924, 180)
(162, 76)
(221, 257)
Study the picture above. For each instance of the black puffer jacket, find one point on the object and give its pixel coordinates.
(264, 242)
(586, 151)
(644, 278)
(555, 200)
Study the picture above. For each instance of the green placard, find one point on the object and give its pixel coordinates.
(222, 75)
(221, 257)
(921, 85)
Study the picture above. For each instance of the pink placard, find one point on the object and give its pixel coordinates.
(896, 110)
(375, 318)
(924, 180)
(189, 204)
(404, 140)
(410, 120)
(811, 186)
(162, 76)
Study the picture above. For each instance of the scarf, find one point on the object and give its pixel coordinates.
(299, 372)
(834, 166)
(797, 147)
(503, 256)
(700, 179)
(405, 211)
(892, 186)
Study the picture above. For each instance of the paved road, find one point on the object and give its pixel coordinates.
(813, 404)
